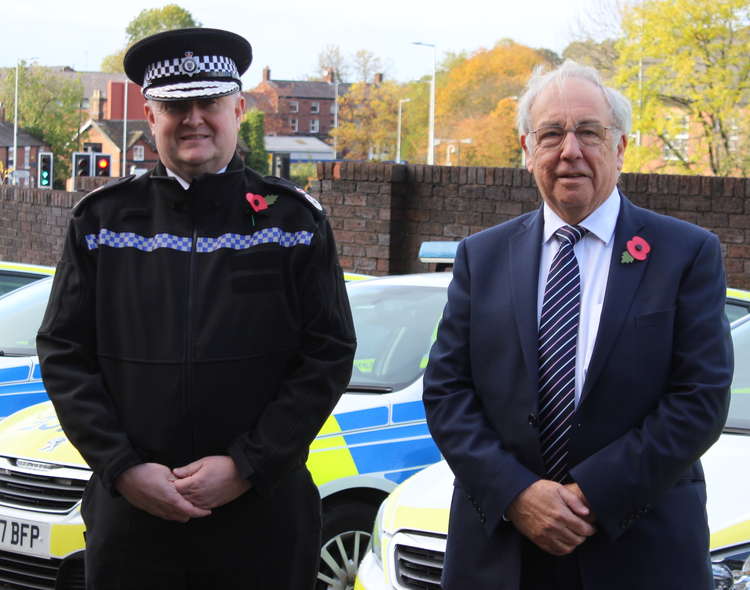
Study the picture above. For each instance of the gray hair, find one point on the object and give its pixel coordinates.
(620, 106)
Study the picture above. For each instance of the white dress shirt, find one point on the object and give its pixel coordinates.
(593, 252)
(184, 183)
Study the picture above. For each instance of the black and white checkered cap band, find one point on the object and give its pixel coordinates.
(201, 66)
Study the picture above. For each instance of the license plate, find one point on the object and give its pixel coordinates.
(24, 536)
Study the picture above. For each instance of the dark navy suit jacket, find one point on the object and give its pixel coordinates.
(655, 398)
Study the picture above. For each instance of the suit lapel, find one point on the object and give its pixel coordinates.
(524, 251)
(622, 285)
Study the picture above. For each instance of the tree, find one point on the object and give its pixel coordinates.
(367, 122)
(48, 108)
(149, 22)
(331, 58)
(494, 140)
(366, 65)
(251, 132)
(473, 87)
(477, 101)
(683, 64)
(600, 55)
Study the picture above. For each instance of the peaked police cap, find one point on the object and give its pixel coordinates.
(187, 64)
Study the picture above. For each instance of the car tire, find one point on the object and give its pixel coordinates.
(346, 531)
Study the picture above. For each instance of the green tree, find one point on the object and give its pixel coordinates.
(367, 122)
(252, 133)
(684, 65)
(48, 108)
(148, 22)
(600, 55)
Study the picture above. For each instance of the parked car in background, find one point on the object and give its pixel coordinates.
(410, 531)
(16, 274)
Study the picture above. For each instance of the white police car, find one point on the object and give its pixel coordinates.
(410, 531)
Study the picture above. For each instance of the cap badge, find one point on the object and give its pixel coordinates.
(189, 64)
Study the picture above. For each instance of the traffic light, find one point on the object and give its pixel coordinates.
(82, 163)
(102, 165)
(44, 170)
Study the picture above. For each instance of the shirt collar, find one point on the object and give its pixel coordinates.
(600, 222)
(184, 183)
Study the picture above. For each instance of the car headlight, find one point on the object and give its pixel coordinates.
(732, 572)
(376, 539)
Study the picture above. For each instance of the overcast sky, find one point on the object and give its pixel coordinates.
(288, 35)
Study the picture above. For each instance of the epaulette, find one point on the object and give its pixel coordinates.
(277, 184)
(103, 189)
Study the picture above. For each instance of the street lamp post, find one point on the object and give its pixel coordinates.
(15, 130)
(431, 132)
(398, 133)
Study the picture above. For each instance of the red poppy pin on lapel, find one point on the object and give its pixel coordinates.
(636, 249)
(257, 202)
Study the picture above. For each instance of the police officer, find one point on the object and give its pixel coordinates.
(197, 336)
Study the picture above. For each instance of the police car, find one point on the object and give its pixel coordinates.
(375, 438)
(16, 274)
(410, 531)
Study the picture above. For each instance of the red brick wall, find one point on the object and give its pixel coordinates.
(381, 213)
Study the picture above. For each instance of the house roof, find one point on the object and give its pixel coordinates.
(112, 128)
(24, 138)
(308, 88)
(91, 80)
(299, 148)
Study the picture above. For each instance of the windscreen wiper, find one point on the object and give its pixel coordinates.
(354, 388)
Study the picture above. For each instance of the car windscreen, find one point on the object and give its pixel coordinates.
(21, 315)
(396, 326)
(739, 408)
(10, 281)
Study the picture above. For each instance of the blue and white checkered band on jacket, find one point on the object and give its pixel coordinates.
(192, 66)
(269, 235)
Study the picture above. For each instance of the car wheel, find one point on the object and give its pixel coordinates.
(346, 534)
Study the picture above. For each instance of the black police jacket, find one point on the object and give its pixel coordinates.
(188, 323)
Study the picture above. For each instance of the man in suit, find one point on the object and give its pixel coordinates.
(581, 368)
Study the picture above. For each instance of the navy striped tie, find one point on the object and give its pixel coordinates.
(558, 334)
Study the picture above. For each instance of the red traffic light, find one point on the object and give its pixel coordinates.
(102, 165)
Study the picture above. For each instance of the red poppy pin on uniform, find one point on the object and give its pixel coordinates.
(636, 249)
(257, 202)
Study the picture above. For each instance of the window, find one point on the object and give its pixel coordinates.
(333, 108)
(293, 106)
(27, 157)
(315, 107)
(314, 126)
(293, 123)
(138, 153)
(11, 158)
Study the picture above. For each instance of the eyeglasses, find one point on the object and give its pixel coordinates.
(588, 134)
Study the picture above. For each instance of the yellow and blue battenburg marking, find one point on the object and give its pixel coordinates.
(269, 235)
(387, 441)
(20, 386)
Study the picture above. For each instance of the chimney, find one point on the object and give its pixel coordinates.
(95, 105)
(266, 74)
(378, 79)
(330, 77)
